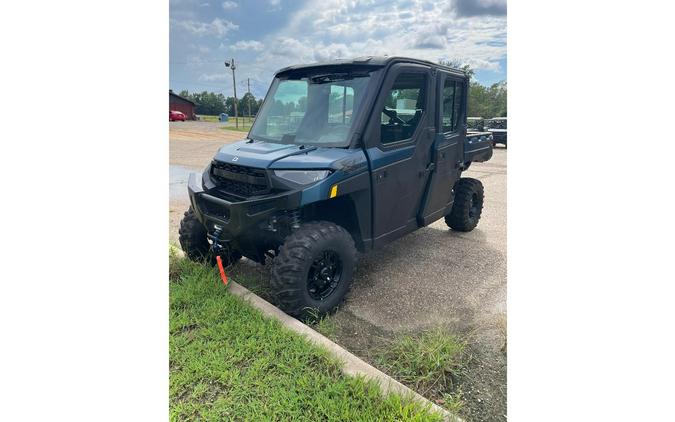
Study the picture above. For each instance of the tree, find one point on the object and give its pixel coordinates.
(483, 101)
(212, 104)
(457, 64)
(244, 105)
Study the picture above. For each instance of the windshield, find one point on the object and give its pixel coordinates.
(315, 110)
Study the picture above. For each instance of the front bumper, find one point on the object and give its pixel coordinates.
(240, 218)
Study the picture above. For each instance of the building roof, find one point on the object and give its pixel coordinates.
(171, 93)
(371, 61)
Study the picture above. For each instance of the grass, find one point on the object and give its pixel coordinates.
(229, 362)
(325, 325)
(245, 123)
(430, 363)
(241, 128)
(207, 118)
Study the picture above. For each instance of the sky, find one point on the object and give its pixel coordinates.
(266, 35)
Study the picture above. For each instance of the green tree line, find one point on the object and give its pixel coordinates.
(212, 104)
(484, 101)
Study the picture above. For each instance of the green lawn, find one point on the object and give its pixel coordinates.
(245, 124)
(241, 128)
(228, 362)
(207, 118)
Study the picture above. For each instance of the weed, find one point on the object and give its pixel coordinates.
(327, 326)
(430, 363)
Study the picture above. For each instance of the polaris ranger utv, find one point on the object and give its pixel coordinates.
(343, 156)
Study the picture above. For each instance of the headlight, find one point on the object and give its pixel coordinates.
(302, 177)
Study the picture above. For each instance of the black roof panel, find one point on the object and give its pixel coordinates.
(374, 61)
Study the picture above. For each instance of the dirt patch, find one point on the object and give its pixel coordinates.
(203, 131)
(483, 379)
(193, 144)
(484, 385)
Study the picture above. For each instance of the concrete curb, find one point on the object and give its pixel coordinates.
(352, 365)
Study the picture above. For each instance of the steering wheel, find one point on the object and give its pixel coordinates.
(392, 116)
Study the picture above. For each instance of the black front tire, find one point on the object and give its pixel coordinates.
(294, 269)
(468, 205)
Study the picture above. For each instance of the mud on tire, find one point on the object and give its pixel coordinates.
(468, 205)
(299, 277)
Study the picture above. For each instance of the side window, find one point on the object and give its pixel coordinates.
(403, 107)
(452, 105)
(340, 104)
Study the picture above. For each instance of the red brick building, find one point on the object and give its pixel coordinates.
(178, 103)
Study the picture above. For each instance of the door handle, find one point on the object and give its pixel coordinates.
(381, 175)
(431, 167)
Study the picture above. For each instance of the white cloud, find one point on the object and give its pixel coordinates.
(217, 26)
(323, 30)
(425, 29)
(274, 5)
(227, 5)
(213, 77)
(247, 45)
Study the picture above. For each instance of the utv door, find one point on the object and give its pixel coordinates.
(398, 140)
(447, 149)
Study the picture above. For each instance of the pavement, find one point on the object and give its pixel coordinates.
(432, 277)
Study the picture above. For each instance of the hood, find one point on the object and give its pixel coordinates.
(283, 156)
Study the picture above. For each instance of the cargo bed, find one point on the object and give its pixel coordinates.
(477, 146)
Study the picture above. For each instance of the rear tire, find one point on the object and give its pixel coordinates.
(468, 205)
(312, 259)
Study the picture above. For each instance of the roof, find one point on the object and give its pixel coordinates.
(182, 98)
(497, 118)
(371, 61)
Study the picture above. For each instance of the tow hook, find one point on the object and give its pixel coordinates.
(218, 248)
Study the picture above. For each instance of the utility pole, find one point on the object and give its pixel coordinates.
(231, 65)
(248, 82)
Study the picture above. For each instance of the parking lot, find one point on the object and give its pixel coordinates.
(432, 277)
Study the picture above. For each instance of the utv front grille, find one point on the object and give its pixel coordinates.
(215, 210)
(240, 181)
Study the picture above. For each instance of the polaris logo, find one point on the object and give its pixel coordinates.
(235, 159)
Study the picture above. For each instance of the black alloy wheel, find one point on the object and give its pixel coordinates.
(324, 275)
(312, 272)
